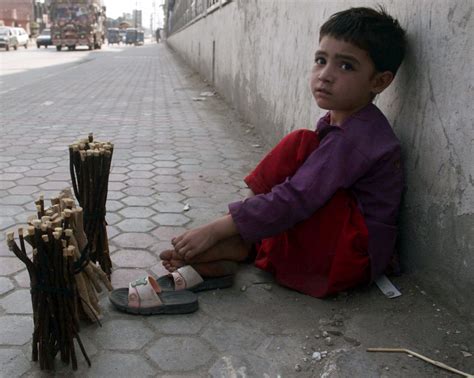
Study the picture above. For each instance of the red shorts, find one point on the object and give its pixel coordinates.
(323, 254)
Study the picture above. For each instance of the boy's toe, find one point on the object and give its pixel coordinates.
(166, 255)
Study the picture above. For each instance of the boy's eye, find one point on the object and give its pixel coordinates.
(347, 67)
(319, 60)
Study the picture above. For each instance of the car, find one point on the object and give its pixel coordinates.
(8, 38)
(22, 37)
(44, 39)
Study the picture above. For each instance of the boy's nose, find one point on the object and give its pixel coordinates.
(326, 74)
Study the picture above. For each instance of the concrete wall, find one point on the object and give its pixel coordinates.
(259, 55)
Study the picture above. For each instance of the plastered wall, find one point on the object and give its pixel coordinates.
(258, 54)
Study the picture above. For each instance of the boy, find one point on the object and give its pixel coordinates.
(323, 206)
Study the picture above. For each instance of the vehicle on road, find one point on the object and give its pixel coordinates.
(134, 37)
(77, 23)
(8, 38)
(113, 36)
(44, 39)
(131, 36)
(22, 37)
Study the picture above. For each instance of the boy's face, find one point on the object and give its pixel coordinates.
(343, 78)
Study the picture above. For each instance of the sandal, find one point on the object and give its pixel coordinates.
(187, 278)
(145, 297)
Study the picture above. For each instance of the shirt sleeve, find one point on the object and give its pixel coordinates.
(335, 164)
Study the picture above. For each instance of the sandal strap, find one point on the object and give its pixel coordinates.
(186, 277)
(143, 292)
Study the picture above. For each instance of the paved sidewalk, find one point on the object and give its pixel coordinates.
(171, 151)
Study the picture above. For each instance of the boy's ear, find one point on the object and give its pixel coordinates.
(381, 81)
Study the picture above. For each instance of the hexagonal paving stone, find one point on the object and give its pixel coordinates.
(187, 324)
(117, 177)
(141, 167)
(134, 240)
(13, 363)
(142, 160)
(122, 334)
(6, 222)
(158, 269)
(129, 258)
(15, 330)
(243, 338)
(166, 171)
(172, 188)
(165, 164)
(115, 364)
(23, 279)
(5, 285)
(39, 173)
(137, 212)
(54, 185)
(161, 157)
(15, 200)
(169, 207)
(136, 225)
(4, 185)
(31, 181)
(4, 251)
(116, 185)
(166, 179)
(112, 231)
(16, 169)
(112, 218)
(18, 302)
(164, 233)
(119, 170)
(171, 219)
(44, 166)
(179, 353)
(138, 201)
(113, 205)
(122, 277)
(49, 159)
(9, 265)
(115, 195)
(10, 176)
(139, 191)
(25, 189)
(171, 197)
(140, 174)
(146, 182)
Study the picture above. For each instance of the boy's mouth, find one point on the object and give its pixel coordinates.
(323, 91)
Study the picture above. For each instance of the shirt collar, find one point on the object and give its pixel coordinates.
(363, 114)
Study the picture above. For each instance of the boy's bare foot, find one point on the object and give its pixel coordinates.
(231, 249)
(171, 261)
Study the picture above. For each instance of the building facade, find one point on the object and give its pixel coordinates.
(18, 13)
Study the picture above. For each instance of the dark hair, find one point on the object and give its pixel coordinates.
(372, 30)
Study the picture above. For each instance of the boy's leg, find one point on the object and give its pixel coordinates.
(281, 162)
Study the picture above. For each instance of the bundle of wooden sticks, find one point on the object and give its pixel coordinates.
(89, 163)
(63, 285)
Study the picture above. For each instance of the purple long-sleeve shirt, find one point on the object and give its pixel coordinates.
(362, 155)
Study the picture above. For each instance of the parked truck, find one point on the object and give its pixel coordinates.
(77, 23)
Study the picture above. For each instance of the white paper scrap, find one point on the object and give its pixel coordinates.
(387, 287)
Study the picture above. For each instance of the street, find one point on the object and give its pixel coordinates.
(172, 151)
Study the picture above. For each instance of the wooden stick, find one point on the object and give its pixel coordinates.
(421, 357)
